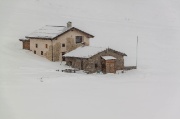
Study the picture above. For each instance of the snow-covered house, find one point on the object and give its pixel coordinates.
(53, 42)
(93, 59)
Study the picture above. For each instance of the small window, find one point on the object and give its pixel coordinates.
(41, 52)
(63, 45)
(79, 39)
(34, 51)
(46, 45)
(36, 45)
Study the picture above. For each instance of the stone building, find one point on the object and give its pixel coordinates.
(52, 42)
(95, 59)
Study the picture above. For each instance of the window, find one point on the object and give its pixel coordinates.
(41, 52)
(63, 45)
(46, 45)
(36, 45)
(34, 51)
(79, 39)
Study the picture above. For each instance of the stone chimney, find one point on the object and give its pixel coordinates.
(69, 24)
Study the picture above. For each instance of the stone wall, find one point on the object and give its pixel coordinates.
(41, 47)
(48, 54)
(68, 39)
(56, 51)
(89, 64)
(70, 43)
(74, 62)
(96, 59)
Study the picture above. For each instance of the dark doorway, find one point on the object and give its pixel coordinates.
(41, 52)
(82, 65)
(96, 65)
(63, 58)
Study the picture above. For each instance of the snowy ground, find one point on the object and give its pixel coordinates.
(31, 88)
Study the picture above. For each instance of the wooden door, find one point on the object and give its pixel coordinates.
(110, 67)
(26, 45)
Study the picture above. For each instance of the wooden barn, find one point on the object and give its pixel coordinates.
(95, 59)
(108, 64)
(26, 43)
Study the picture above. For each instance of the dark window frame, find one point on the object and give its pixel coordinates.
(63, 45)
(34, 51)
(79, 39)
(36, 45)
(42, 53)
(63, 58)
(46, 45)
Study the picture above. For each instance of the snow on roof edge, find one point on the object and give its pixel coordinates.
(46, 32)
(84, 52)
(108, 57)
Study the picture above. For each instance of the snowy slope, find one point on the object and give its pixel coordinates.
(31, 88)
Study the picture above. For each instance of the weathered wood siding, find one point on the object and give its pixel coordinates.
(26, 44)
(109, 66)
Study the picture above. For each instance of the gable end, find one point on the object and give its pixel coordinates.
(73, 28)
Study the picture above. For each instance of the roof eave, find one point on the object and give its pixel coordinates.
(23, 39)
(76, 57)
(124, 54)
(89, 35)
(39, 38)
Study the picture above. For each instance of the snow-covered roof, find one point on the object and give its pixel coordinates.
(23, 39)
(51, 32)
(85, 52)
(108, 57)
(47, 32)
